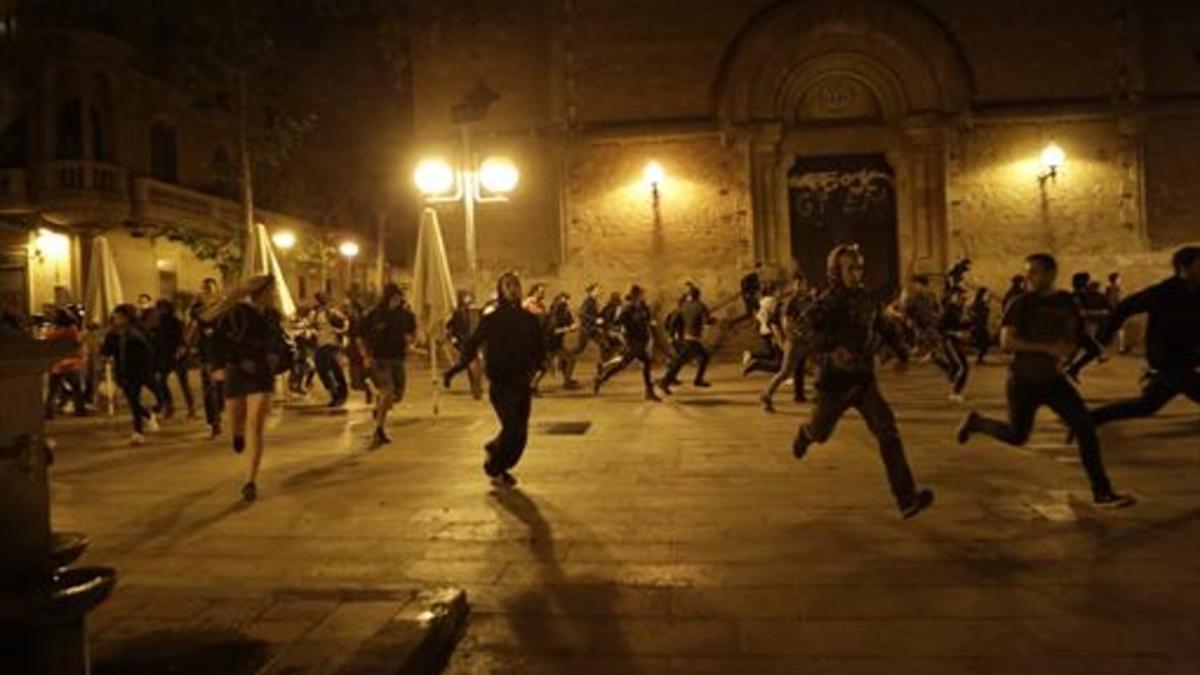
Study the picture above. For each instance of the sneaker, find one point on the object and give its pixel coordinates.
(571, 385)
(507, 478)
(137, 439)
(665, 385)
(651, 396)
(746, 358)
(1113, 500)
(767, 405)
(214, 431)
(920, 501)
(380, 438)
(702, 384)
(239, 444)
(965, 428)
(800, 397)
(152, 423)
(675, 382)
(956, 398)
(249, 492)
(596, 386)
(800, 446)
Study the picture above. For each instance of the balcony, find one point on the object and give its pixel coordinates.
(14, 191)
(160, 204)
(80, 191)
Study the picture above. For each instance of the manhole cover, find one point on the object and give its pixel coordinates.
(564, 428)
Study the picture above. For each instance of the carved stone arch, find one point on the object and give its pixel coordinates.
(808, 78)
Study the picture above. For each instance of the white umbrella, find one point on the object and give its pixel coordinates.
(260, 259)
(102, 294)
(432, 290)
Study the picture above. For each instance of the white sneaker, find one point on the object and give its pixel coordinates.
(152, 423)
(137, 439)
(746, 356)
(957, 398)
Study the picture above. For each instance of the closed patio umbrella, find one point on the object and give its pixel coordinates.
(102, 294)
(432, 290)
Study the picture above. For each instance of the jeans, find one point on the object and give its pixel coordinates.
(1162, 386)
(794, 357)
(690, 350)
(133, 395)
(834, 400)
(633, 352)
(954, 362)
(214, 396)
(330, 372)
(512, 400)
(180, 370)
(1025, 396)
(768, 358)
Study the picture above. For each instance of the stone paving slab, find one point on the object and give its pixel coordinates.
(673, 538)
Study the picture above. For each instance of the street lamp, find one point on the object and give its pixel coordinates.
(1052, 159)
(489, 183)
(348, 249)
(284, 240)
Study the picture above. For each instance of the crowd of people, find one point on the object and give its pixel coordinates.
(837, 330)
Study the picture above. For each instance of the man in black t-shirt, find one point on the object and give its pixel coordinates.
(636, 322)
(1043, 328)
(692, 317)
(383, 341)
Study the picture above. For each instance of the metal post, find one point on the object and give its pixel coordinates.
(469, 190)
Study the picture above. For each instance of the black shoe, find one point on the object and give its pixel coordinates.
(665, 385)
(239, 444)
(596, 386)
(920, 501)
(1070, 440)
(249, 492)
(767, 405)
(703, 384)
(507, 478)
(800, 398)
(1113, 500)
(965, 428)
(380, 438)
(651, 396)
(800, 446)
(214, 431)
(675, 382)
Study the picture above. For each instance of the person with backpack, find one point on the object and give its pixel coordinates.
(132, 357)
(252, 349)
(383, 339)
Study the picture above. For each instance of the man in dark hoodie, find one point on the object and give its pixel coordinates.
(514, 350)
(1172, 339)
(170, 357)
(133, 365)
(846, 323)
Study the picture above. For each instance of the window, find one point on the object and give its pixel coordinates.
(69, 130)
(101, 116)
(14, 145)
(163, 152)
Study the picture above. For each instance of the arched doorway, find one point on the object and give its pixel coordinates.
(825, 94)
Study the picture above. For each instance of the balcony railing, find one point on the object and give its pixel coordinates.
(14, 189)
(85, 179)
(166, 205)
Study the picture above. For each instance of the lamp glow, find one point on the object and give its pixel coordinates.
(1052, 159)
(348, 249)
(499, 175)
(51, 244)
(434, 177)
(654, 174)
(284, 240)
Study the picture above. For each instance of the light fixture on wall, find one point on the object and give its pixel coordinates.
(284, 240)
(1052, 159)
(51, 245)
(653, 175)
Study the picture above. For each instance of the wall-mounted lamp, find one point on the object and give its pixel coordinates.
(653, 176)
(1052, 159)
(284, 240)
(51, 245)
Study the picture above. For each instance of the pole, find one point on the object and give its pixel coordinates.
(469, 188)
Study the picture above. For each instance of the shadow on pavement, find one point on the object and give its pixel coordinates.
(182, 653)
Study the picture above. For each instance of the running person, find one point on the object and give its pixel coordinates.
(692, 317)
(202, 338)
(383, 341)
(846, 323)
(952, 331)
(1043, 328)
(636, 323)
(133, 366)
(796, 344)
(511, 339)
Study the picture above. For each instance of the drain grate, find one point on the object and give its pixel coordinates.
(564, 428)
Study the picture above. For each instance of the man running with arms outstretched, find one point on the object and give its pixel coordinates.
(845, 322)
(1043, 328)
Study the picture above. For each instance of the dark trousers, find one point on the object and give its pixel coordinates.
(1089, 351)
(604, 342)
(1025, 396)
(512, 400)
(163, 385)
(330, 372)
(633, 352)
(983, 344)
(834, 399)
(214, 396)
(768, 358)
(1161, 387)
(62, 384)
(688, 351)
(133, 396)
(953, 360)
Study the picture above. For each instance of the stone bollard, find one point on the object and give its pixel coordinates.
(42, 603)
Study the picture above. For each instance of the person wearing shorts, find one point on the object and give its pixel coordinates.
(383, 340)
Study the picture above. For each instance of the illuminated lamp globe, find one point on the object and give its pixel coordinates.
(52, 244)
(348, 249)
(499, 175)
(434, 177)
(284, 240)
(654, 174)
(1053, 158)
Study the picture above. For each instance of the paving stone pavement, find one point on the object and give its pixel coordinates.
(668, 538)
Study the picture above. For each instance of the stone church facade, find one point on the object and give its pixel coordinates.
(915, 127)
